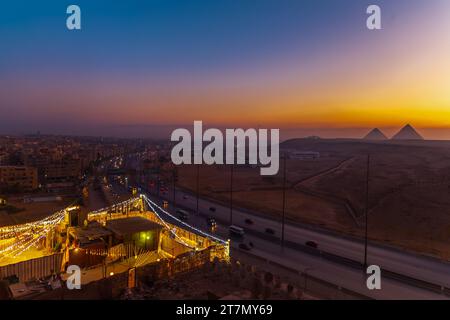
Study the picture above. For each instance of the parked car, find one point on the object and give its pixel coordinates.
(312, 244)
(248, 221)
(244, 246)
(270, 231)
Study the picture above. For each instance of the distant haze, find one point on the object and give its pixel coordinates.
(164, 131)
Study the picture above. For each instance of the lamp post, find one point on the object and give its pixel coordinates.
(284, 201)
(231, 194)
(198, 178)
(174, 185)
(305, 274)
(366, 213)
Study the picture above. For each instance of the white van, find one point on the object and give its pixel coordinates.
(237, 231)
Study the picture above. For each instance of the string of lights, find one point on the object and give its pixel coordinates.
(29, 245)
(28, 234)
(167, 226)
(184, 223)
(106, 209)
(15, 230)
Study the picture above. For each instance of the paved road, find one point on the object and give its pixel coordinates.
(315, 265)
(337, 256)
(411, 265)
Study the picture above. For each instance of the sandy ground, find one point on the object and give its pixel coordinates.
(408, 193)
(31, 253)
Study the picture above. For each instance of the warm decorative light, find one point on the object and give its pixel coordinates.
(28, 234)
(23, 236)
(149, 202)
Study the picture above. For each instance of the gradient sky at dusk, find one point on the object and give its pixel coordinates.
(309, 65)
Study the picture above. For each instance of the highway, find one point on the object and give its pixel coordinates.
(336, 257)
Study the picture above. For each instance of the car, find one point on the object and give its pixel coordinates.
(211, 222)
(236, 231)
(270, 231)
(244, 246)
(185, 197)
(212, 209)
(183, 214)
(248, 221)
(312, 244)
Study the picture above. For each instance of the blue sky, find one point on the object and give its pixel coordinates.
(164, 58)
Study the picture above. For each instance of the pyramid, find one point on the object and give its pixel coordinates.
(375, 134)
(407, 133)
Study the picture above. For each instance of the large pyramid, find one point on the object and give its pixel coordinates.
(407, 133)
(375, 134)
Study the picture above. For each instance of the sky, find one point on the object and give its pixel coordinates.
(141, 68)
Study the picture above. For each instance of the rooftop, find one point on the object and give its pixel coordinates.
(131, 225)
(94, 231)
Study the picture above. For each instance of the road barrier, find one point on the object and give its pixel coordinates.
(310, 284)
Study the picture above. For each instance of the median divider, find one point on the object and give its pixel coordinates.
(339, 259)
(311, 284)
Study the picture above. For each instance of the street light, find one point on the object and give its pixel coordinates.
(305, 274)
(284, 201)
(366, 213)
(231, 195)
(174, 185)
(198, 182)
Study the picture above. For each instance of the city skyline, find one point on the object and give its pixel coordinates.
(141, 69)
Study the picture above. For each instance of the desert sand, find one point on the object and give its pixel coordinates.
(409, 190)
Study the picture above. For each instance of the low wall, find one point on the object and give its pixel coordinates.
(34, 268)
(113, 286)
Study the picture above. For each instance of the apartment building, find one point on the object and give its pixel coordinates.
(22, 177)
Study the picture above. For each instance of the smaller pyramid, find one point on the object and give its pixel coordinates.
(375, 134)
(407, 133)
